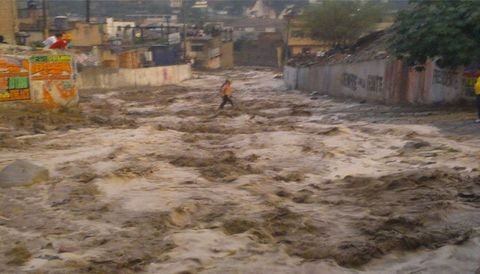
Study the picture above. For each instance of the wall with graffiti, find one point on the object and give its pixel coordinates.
(14, 79)
(363, 80)
(387, 81)
(52, 80)
(43, 79)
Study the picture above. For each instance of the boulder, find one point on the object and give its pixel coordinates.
(22, 173)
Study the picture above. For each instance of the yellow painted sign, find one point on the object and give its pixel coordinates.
(51, 67)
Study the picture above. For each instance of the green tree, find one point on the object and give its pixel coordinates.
(341, 22)
(449, 30)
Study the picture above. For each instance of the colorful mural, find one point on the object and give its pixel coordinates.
(51, 67)
(52, 76)
(14, 79)
(45, 79)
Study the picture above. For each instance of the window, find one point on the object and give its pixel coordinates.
(197, 47)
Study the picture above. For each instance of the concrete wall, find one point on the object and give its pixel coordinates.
(290, 77)
(227, 55)
(101, 78)
(386, 81)
(8, 20)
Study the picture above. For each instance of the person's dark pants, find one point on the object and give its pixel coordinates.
(478, 106)
(226, 100)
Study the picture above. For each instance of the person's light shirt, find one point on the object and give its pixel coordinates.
(49, 41)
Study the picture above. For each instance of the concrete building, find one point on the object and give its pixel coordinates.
(258, 41)
(210, 52)
(251, 28)
(265, 51)
(119, 29)
(8, 20)
(299, 40)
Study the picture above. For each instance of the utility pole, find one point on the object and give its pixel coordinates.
(184, 32)
(87, 16)
(168, 30)
(45, 19)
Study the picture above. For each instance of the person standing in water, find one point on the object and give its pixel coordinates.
(226, 92)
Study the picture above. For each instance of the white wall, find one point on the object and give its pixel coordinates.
(101, 78)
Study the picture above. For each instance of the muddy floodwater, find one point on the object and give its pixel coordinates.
(157, 180)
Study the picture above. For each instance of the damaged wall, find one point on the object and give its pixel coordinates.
(121, 78)
(386, 81)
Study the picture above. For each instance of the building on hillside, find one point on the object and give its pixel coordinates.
(8, 20)
(298, 37)
(265, 51)
(251, 28)
(299, 41)
(122, 30)
(261, 10)
(166, 32)
(129, 56)
(210, 52)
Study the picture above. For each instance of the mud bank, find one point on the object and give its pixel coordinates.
(160, 181)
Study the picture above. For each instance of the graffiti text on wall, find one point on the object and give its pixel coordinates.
(14, 82)
(52, 67)
(373, 83)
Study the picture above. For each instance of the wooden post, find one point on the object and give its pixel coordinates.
(184, 19)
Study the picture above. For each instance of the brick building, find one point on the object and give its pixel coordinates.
(8, 20)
